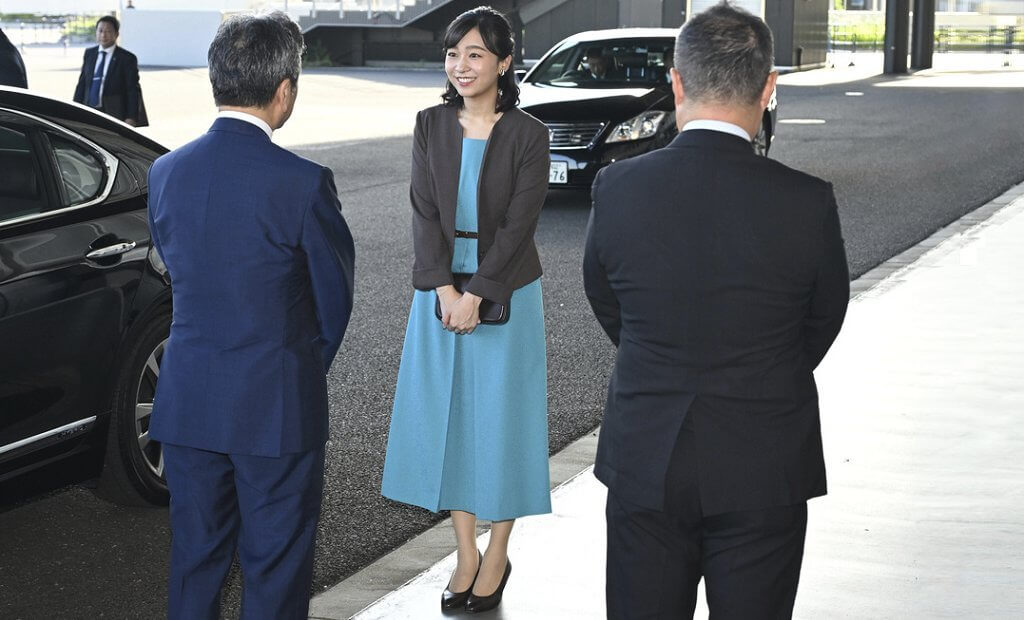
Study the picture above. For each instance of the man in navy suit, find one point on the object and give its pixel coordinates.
(721, 277)
(109, 78)
(261, 267)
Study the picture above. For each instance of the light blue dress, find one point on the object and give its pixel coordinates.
(469, 426)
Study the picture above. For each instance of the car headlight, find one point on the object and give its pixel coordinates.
(637, 128)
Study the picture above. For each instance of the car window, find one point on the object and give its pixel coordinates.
(21, 189)
(557, 64)
(623, 63)
(81, 171)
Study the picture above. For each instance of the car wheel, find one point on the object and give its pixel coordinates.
(133, 468)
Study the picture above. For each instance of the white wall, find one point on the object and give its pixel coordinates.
(699, 6)
(169, 38)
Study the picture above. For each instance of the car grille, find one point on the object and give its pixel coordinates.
(574, 134)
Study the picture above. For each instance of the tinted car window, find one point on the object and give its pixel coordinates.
(608, 64)
(21, 189)
(81, 171)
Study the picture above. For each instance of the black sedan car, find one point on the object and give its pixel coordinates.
(606, 95)
(84, 300)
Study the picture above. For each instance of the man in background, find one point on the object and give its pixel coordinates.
(597, 63)
(109, 80)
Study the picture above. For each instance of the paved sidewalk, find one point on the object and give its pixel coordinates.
(922, 402)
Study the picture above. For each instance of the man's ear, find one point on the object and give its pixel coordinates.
(679, 94)
(283, 92)
(769, 88)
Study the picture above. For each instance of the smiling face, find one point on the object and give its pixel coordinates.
(472, 68)
(105, 34)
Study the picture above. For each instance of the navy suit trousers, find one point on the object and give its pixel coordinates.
(265, 507)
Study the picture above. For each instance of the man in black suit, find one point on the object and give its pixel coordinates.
(722, 279)
(111, 85)
(12, 69)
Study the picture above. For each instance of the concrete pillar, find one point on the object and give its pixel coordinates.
(923, 39)
(897, 33)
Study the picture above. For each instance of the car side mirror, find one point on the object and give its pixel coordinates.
(520, 74)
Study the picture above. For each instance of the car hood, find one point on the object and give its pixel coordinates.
(558, 103)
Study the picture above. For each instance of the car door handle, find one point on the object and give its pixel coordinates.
(111, 250)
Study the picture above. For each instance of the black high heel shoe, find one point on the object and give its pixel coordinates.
(456, 600)
(476, 604)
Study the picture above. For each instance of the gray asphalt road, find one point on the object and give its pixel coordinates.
(904, 161)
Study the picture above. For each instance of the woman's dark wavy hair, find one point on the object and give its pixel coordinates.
(496, 32)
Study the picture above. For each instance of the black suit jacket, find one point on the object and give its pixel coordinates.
(721, 276)
(12, 69)
(122, 94)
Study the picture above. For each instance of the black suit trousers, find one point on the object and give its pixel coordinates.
(750, 561)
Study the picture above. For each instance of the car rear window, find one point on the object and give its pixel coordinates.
(620, 63)
(80, 170)
(21, 189)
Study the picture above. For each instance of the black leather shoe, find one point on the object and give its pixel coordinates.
(457, 600)
(476, 604)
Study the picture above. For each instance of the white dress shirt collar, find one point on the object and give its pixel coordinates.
(722, 126)
(249, 118)
(108, 50)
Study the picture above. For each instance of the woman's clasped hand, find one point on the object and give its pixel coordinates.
(460, 312)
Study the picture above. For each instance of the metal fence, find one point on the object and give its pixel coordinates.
(990, 40)
(871, 38)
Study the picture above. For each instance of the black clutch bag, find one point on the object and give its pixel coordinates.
(491, 313)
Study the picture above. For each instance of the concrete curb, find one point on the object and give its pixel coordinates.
(893, 270)
(397, 568)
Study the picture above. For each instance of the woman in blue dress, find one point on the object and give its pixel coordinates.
(469, 425)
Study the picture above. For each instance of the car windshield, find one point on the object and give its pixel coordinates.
(620, 63)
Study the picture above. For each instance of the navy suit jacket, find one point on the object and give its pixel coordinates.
(261, 267)
(721, 276)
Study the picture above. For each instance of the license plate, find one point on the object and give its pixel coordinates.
(559, 172)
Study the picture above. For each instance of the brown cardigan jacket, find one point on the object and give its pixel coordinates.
(511, 190)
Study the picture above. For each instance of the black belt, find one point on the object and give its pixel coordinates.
(466, 234)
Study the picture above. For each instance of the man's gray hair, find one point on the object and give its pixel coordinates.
(251, 55)
(724, 55)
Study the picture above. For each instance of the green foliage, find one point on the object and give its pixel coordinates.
(77, 28)
(81, 27)
(868, 31)
(861, 33)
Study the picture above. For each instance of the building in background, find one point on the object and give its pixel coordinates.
(361, 32)
(390, 32)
